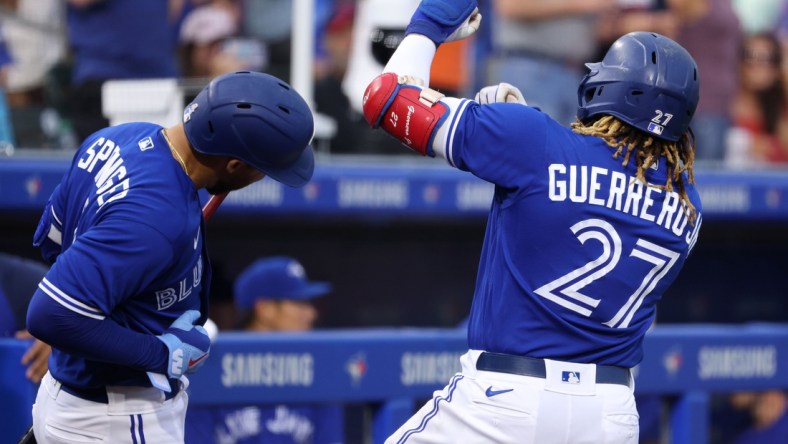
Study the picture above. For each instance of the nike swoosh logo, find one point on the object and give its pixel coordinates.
(193, 362)
(197, 238)
(490, 392)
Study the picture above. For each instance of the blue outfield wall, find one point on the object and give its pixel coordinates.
(393, 368)
(402, 189)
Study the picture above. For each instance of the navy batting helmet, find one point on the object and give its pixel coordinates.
(648, 81)
(258, 119)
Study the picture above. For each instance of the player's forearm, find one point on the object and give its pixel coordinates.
(399, 100)
(98, 340)
(413, 57)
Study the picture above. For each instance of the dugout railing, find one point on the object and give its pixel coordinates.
(393, 369)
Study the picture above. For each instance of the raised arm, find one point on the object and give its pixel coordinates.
(400, 100)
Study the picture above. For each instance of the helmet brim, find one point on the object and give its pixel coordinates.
(296, 174)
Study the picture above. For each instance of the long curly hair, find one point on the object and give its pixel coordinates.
(629, 141)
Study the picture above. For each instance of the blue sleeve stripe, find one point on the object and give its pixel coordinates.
(55, 235)
(452, 130)
(57, 219)
(68, 302)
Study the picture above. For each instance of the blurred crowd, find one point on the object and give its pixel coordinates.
(55, 57)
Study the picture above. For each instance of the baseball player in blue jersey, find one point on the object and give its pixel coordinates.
(127, 294)
(588, 227)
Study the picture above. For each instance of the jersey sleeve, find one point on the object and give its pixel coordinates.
(110, 262)
(499, 142)
(48, 237)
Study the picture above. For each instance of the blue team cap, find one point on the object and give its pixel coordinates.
(278, 277)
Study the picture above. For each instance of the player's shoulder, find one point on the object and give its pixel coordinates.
(128, 141)
(504, 113)
(157, 188)
(512, 122)
(139, 148)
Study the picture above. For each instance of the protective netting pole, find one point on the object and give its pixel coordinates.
(303, 49)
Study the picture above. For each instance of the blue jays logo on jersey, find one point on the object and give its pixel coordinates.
(570, 377)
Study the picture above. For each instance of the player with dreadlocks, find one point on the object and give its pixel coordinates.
(680, 156)
(588, 227)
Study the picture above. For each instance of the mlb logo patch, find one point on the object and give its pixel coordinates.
(145, 144)
(570, 377)
(656, 129)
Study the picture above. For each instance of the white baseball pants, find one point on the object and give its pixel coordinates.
(491, 407)
(132, 415)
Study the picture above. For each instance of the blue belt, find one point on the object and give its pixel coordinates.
(99, 394)
(521, 365)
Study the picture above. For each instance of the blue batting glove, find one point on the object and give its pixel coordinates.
(187, 343)
(439, 19)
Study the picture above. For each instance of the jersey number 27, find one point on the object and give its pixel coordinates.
(565, 291)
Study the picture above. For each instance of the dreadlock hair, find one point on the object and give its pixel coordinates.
(629, 141)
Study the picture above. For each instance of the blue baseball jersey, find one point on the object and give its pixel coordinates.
(577, 251)
(124, 229)
(281, 424)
